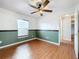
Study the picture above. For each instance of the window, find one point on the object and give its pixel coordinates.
(23, 27)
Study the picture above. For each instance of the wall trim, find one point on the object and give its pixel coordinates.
(8, 30)
(41, 30)
(29, 40)
(16, 43)
(49, 41)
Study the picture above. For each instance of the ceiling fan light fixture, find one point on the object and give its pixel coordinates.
(41, 6)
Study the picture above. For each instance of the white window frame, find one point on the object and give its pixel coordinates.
(22, 30)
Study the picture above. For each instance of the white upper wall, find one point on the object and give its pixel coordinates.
(49, 22)
(78, 15)
(8, 20)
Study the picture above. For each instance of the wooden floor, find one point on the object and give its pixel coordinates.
(38, 50)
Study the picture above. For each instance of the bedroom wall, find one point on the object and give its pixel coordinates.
(48, 28)
(8, 20)
(78, 28)
(49, 22)
(8, 27)
(78, 32)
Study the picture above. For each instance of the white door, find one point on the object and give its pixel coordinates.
(65, 28)
(76, 34)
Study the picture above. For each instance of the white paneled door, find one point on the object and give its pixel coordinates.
(76, 33)
(65, 28)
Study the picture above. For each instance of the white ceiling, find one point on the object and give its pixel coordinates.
(22, 7)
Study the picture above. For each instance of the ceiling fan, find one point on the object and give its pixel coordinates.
(41, 7)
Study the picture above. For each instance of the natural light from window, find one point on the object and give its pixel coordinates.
(23, 27)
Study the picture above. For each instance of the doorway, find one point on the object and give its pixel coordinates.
(69, 30)
(65, 29)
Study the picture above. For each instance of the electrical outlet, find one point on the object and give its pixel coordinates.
(47, 37)
(0, 42)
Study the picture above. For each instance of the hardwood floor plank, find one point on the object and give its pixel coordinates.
(39, 50)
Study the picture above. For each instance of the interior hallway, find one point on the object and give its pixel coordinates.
(37, 49)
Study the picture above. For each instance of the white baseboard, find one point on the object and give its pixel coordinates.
(49, 41)
(16, 43)
(27, 41)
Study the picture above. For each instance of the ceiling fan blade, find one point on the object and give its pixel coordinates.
(47, 10)
(34, 12)
(45, 3)
(33, 6)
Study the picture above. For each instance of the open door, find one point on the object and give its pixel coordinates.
(65, 28)
(76, 33)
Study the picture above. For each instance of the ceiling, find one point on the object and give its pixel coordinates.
(22, 7)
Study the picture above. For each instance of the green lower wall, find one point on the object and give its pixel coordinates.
(10, 37)
(78, 42)
(50, 35)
